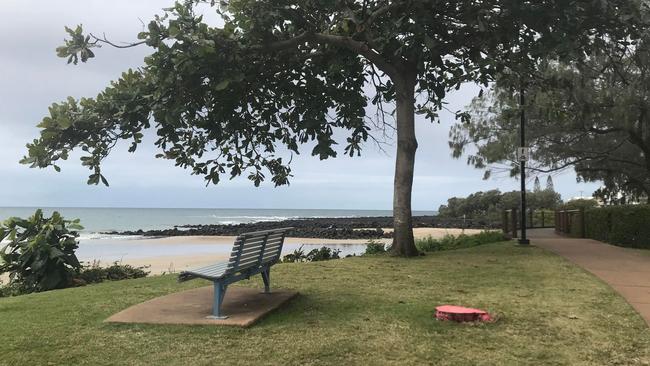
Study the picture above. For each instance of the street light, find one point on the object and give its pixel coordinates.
(523, 157)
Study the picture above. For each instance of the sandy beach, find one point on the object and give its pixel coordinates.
(174, 254)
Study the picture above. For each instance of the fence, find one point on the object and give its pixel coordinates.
(535, 219)
(570, 222)
(624, 225)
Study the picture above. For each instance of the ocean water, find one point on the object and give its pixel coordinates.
(107, 248)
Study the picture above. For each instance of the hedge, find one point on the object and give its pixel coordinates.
(575, 226)
(625, 226)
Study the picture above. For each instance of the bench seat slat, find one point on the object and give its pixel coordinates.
(272, 243)
(269, 258)
(258, 241)
(252, 241)
(210, 271)
(270, 255)
(253, 257)
(213, 271)
(256, 249)
(273, 247)
(264, 232)
(249, 250)
(244, 264)
(276, 248)
(256, 253)
(212, 267)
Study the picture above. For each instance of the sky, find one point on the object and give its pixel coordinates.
(33, 77)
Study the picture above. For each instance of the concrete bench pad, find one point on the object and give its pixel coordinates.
(244, 307)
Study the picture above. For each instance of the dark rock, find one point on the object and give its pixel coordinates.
(327, 228)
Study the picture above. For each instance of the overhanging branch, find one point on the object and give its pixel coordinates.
(360, 48)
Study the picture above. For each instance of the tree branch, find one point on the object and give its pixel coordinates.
(106, 41)
(284, 44)
(360, 48)
(381, 11)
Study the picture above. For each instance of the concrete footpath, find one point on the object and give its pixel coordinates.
(626, 270)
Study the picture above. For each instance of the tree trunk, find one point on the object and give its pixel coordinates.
(403, 242)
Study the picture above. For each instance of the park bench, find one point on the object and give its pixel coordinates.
(252, 253)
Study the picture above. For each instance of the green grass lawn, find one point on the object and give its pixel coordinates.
(365, 311)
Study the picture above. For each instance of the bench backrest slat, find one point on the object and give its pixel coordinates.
(255, 249)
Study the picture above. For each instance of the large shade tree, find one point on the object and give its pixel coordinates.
(280, 73)
(591, 116)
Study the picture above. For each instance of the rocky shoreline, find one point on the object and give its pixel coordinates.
(324, 228)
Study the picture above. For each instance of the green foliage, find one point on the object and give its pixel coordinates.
(537, 186)
(95, 273)
(591, 117)
(10, 290)
(451, 242)
(626, 226)
(576, 226)
(323, 254)
(314, 255)
(274, 76)
(298, 255)
(577, 204)
(598, 223)
(427, 244)
(242, 97)
(77, 47)
(548, 217)
(40, 253)
(375, 247)
(549, 184)
(489, 204)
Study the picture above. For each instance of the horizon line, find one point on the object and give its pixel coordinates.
(212, 208)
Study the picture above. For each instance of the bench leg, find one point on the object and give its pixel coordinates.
(219, 294)
(266, 276)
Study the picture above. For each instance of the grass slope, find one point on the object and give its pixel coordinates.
(370, 310)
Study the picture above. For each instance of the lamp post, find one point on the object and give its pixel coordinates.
(523, 156)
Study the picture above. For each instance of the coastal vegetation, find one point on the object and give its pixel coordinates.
(375, 247)
(314, 255)
(591, 117)
(452, 242)
(490, 204)
(578, 204)
(40, 256)
(40, 253)
(352, 311)
(447, 242)
(95, 273)
(229, 99)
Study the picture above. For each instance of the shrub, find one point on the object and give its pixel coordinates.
(323, 254)
(40, 253)
(449, 242)
(95, 273)
(375, 247)
(626, 226)
(298, 255)
(9, 290)
(586, 203)
(315, 255)
(428, 244)
(598, 224)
